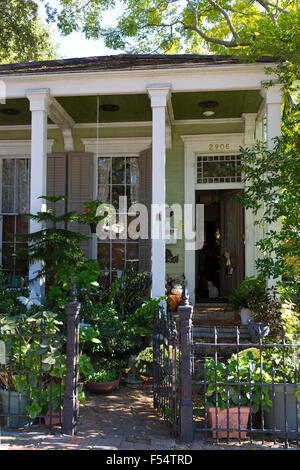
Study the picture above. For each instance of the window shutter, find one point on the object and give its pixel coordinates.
(80, 185)
(145, 197)
(57, 179)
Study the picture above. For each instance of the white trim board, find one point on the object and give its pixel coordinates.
(109, 82)
(20, 147)
(126, 146)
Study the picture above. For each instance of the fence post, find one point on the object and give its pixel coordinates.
(185, 311)
(70, 410)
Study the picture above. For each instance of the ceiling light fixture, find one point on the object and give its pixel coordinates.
(10, 111)
(208, 104)
(208, 113)
(111, 108)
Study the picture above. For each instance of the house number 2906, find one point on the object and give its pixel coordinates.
(219, 147)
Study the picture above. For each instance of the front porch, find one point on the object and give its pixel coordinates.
(93, 129)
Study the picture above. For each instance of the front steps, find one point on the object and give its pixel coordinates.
(207, 319)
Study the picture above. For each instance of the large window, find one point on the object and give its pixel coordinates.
(14, 202)
(118, 176)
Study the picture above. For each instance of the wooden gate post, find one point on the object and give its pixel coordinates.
(70, 409)
(185, 311)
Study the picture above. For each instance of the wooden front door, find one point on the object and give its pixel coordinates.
(232, 243)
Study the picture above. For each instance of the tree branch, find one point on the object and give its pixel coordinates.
(266, 7)
(219, 42)
(226, 16)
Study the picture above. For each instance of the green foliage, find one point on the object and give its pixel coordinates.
(269, 309)
(85, 274)
(281, 248)
(141, 321)
(232, 396)
(128, 292)
(36, 355)
(144, 362)
(253, 29)
(57, 248)
(23, 36)
(86, 367)
(102, 376)
(249, 289)
(111, 331)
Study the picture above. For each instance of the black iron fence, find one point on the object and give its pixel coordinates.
(165, 363)
(248, 392)
(39, 370)
(238, 390)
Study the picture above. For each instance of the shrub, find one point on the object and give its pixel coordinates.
(250, 289)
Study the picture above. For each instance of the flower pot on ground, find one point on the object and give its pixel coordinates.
(275, 417)
(246, 315)
(14, 403)
(257, 330)
(228, 422)
(103, 382)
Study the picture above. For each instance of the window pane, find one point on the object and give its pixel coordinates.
(104, 256)
(104, 193)
(104, 165)
(132, 254)
(117, 191)
(118, 251)
(22, 186)
(132, 171)
(8, 176)
(21, 224)
(118, 170)
(8, 227)
(7, 199)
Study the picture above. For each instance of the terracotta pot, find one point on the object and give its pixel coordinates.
(175, 300)
(103, 387)
(232, 419)
(56, 420)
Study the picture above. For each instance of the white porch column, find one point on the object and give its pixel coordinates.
(250, 228)
(159, 95)
(273, 99)
(39, 107)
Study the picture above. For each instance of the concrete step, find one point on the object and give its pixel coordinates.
(213, 313)
(207, 331)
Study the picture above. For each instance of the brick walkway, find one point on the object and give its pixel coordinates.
(122, 420)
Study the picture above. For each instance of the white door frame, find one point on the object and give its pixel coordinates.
(204, 144)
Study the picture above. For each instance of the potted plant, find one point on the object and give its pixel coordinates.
(226, 403)
(91, 214)
(285, 414)
(103, 381)
(251, 288)
(20, 394)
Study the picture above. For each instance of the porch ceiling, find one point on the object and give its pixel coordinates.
(137, 107)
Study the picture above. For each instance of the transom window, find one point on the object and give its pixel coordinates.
(118, 176)
(218, 169)
(14, 202)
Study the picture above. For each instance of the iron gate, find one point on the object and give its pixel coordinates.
(165, 368)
